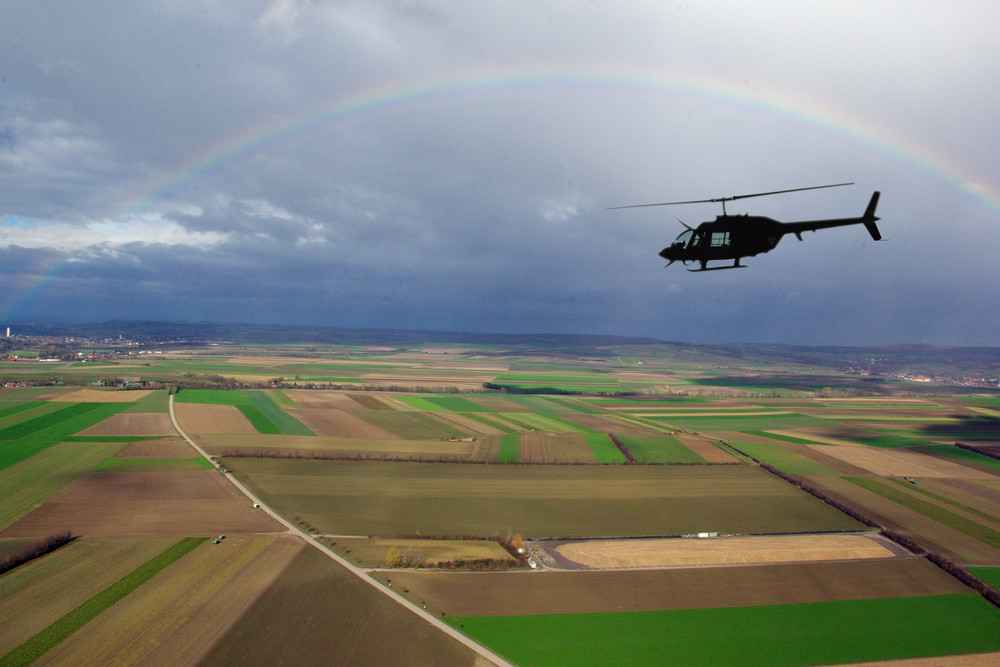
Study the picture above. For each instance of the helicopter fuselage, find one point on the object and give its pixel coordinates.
(737, 236)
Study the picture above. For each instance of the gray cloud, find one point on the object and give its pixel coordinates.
(447, 166)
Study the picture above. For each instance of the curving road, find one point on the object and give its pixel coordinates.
(361, 573)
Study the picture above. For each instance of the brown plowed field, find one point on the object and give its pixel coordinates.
(339, 423)
(463, 423)
(189, 503)
(126, 423)
(208, 418)
(302, 446)
(176, 618)
(167, 448)
(317, 613)
(967, 660)
(899, 462)
(322, 400)
(739, 550)
(488, 593)
(100, 396)
(706, 450)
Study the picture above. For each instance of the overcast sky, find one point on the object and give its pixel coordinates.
(448, 165)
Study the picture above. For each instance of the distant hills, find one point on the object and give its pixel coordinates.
(929, 359)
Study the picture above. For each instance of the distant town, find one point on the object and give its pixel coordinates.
(918, 364)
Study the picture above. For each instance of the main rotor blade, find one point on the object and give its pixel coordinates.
(724, 199)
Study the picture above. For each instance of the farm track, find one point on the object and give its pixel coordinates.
(360, 573)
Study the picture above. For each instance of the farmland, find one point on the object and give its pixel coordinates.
(605, 462)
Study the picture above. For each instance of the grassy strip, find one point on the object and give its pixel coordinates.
(510, 448)
(991, 575)
(659, 449)
(43, 422)
(284, 422)
(42, 642)
(142, 464)
(457, 404)
(258, 420)
(20, 407)
(604, 450)
(843, 631)
(930, 510)
(942, 499)
(111, 438)
(482, 419)
(421, 403)
(963, 455)
(783, 459)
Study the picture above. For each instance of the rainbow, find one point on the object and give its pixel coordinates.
(395, 97)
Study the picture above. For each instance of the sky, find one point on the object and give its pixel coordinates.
(448, 166)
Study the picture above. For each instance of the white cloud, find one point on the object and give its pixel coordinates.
(147, 229)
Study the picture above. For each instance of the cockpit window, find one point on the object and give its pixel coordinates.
(683, 239)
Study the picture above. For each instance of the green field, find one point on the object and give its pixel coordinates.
(991, 575)
(784, 460)
(659, 449)
(27, 438)
(771, 636)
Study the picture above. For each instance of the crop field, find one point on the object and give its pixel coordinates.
(195, 502)
(412, 460)
(373, 552)
(748, 549)
(37, 594)
(364, 498)
(179, 614)
(811, 633)
(334, 615)
(659, 449)
(654, 589)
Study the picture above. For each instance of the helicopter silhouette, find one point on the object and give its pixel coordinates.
(738, 236)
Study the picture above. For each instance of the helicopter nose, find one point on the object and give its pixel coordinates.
(667, 254)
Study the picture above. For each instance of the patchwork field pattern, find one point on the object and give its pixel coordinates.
(417, 469)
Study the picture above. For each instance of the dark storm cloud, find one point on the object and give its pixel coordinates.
(123, 192)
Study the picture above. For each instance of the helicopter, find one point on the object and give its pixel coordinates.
(738, 236)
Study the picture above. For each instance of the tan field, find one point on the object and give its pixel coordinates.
(207, 418)
(189, 503)
(464, 423)
(164, 448)
(322, 399)
(737, 550)
(339, 423)
(100, 396)
(127, 423)
(706, 449)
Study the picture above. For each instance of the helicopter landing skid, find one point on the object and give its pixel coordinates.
(718, 268)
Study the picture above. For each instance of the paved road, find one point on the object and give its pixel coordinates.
(361, 573)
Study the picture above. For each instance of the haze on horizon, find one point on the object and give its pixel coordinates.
(447, 166)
